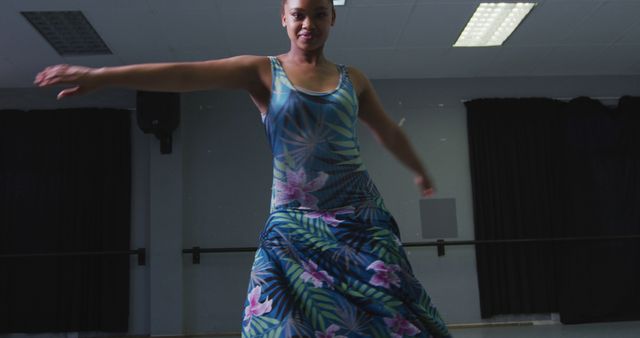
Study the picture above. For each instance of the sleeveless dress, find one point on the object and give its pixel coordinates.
(330, 262)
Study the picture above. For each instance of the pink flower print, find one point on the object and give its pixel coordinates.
(330, 333)
(385, 275)
(401, 327)
(317, 277)
(298, 189)
(255, 308)
(329, 216)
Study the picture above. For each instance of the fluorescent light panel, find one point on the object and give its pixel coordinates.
(492, 23)
(339, 2)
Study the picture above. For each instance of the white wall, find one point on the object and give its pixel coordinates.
(227, 181)
(222, 173)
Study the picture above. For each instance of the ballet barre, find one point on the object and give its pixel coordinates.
(140, 252)
(439, 244)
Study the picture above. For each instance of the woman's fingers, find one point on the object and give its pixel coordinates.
(425, 185)
(68, 92)
(77, 76)
(58, 74)
(428, 192)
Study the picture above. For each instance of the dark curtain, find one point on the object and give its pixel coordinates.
(599, 280)
(543, 168)
(64, 187)
(515, 183)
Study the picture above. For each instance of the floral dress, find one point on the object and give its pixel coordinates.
(330, 262)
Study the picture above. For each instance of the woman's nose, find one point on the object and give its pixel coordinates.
(307, 23)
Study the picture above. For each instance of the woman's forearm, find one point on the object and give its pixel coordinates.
(162, 77)
(397, 142)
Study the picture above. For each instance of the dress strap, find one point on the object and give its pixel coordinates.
(279, 76)
(344, 72)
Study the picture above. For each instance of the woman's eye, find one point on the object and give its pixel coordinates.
(297, 16)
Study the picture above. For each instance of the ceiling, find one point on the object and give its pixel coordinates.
(384, 38)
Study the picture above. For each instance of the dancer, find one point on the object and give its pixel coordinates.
(330, 262)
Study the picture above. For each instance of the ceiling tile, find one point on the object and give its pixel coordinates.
(48, 5)
(619, 60)
(206, 6)
(367, 3)
(188, 29)
(21, 43)
(515, 61)
(551, 22)
(44, 5)
(416, 63)
(475, 2)
(376, 26)
(246, 4)
(263, 35)
(436, 25)
(570, 60)
(135, 38)
(632, 35)
(606, 25)
(468, 62)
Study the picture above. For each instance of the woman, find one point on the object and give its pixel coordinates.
(330, 261)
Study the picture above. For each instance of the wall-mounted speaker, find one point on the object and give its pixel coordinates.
(159, 114)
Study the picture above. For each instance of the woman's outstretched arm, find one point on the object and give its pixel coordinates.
(239, 72)
(388, 133)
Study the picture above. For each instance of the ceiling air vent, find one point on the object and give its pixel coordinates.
(68, 32)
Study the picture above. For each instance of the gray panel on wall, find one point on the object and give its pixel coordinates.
(438, 218)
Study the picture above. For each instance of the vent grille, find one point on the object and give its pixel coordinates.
(68, 32)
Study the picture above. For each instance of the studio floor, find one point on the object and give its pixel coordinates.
(600, 330)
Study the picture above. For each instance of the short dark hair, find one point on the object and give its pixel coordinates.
(285, 1)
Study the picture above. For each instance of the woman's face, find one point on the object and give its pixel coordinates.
(308, 22)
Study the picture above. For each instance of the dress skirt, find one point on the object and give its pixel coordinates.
(335, 273)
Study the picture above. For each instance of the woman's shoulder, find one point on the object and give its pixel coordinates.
(249, 60)
(247, 64)
(258, 60)
(358, 78)
(261, 63)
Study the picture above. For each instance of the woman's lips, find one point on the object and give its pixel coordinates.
(306, 36)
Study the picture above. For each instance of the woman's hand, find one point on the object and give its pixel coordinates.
(425, 185)
(83, 79)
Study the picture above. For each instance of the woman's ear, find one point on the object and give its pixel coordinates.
(333, 16)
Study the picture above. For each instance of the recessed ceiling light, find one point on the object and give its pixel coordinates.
(339, 2)
(492, 23)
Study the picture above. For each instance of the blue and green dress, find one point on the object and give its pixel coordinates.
(330, 262)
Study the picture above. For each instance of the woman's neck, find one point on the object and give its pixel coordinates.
(313, 58)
